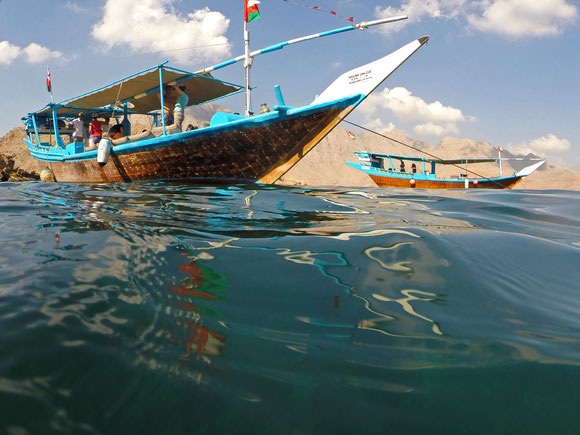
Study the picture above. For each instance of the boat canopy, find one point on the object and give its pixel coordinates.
(140, 90)
(438, 161)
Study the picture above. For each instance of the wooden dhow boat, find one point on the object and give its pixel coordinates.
(421, 172)
(232, 148)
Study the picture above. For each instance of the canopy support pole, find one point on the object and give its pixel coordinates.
(57, 138)
(35, 129)
(162, 99)
(247, 66)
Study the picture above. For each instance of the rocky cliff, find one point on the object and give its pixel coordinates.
(324, 165)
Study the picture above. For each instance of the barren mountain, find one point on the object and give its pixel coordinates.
(324, 165)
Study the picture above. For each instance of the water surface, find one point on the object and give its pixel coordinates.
(170, 308)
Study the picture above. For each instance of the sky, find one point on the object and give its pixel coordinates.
(502, 71)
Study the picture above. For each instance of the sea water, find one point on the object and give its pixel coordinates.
(173, 308)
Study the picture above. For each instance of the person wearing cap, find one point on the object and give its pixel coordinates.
(78, 124)
(180, 105)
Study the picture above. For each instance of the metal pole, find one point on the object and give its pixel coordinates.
(247, 65)
(360, 26)
(499, 160)
(36, 129)
(162, 99)
(57, 137)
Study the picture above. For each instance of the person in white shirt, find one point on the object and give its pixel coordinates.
(78, 124)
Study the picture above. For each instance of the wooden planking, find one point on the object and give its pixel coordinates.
(304, 147)
(506, 183)
(248, 154)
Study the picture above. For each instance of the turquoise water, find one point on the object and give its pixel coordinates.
(170, 308)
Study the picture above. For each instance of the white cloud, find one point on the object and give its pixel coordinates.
(519, 18)
(378, 125)
(408, 107)
(37, 53)
(417, 10)
(337, 65)
(429, 119)
(153, 25)
(8, 52)
(75, 7)
(511, 18)
(542, 146)
(33, 53)
(432, 129)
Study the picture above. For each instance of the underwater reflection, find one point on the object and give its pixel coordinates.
(405, 302)
(385, 263)
(190, 293)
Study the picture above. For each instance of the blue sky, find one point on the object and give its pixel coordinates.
(503, 71)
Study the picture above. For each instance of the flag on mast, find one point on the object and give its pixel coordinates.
(251, 10)
(500, 149)
(48, 82)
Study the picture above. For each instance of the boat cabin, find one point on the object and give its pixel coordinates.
(419, 166)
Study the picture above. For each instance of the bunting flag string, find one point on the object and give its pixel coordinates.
(318, 8)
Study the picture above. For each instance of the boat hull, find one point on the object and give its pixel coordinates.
(384, 178)
(248, 151)
(489, 183)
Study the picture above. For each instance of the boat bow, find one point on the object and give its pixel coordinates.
(365, 79)
(529, 169)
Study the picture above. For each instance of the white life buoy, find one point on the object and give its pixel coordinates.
(47, 175)
(103, 152)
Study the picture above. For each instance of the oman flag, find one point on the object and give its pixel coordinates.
(48, 82)
(251, 10)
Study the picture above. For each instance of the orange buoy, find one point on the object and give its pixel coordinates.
(475, 182)
(412, 182)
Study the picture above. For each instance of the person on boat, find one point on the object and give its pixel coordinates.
(414, 168)
(402, 166)
(167, 104)
(116, 132)
(95, 132)
(78, 124)
(180, 105)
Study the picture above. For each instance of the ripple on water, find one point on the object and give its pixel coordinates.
(154, 306)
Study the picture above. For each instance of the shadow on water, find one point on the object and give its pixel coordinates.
(157, 307)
